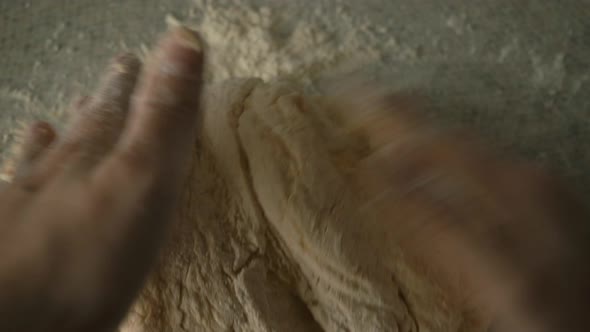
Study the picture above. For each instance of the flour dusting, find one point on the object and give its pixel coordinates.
(524, 72)
(260, 41)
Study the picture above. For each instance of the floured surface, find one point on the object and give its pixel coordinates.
(518, 70)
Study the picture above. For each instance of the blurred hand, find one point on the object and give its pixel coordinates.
(84, 218)
(503, 237)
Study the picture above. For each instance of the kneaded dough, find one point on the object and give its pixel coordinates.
(273, 234)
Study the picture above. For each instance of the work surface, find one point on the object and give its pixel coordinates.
(518, 70)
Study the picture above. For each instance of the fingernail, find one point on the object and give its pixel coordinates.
(187, 37)
(180, 53)
(125, 62)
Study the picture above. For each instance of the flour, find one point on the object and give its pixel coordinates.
(259, 41)
(245, 40)
(489, 65)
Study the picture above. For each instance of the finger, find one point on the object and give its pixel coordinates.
(36, 142)
(96, 124)
(162, 125)
(165, 107)
(137, 185)
(96, 128)
(52, 161)
(142, 177)
(38, 138)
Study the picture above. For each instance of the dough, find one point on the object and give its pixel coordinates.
(273, 234)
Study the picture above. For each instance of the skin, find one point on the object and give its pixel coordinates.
(503, 237)
(84, 219)
(88, 211)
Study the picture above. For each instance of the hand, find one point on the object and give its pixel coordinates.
(503, 237)
(84, 218)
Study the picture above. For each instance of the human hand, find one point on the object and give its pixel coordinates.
(504, 238)
(84, 218)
